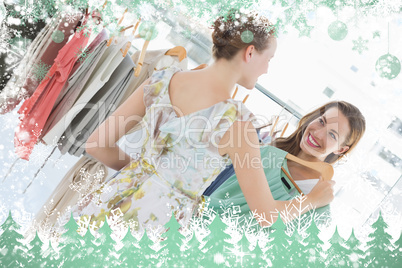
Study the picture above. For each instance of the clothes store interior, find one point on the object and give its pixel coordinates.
(306, 72)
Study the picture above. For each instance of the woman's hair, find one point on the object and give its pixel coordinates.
(357, 125)
(237, 31)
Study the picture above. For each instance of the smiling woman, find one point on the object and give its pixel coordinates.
(323, 135)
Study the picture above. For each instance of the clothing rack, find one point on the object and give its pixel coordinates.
(278, 101)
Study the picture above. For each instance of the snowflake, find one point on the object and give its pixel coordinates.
(360, 45)
(4, 38)
(164, 252)
(87, 184)
(40, 70)
(16, 52)
(84, 28)
(83, 54)
(71, 17)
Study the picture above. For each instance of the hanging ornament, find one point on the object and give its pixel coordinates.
(388, 66)
(337, 30)
(57, 36)
(247, 36)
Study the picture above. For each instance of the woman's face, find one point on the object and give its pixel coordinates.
(257, 64)
(326, 134)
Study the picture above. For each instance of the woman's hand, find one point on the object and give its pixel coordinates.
(322, 193)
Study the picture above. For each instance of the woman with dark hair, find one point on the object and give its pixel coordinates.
(323, 135)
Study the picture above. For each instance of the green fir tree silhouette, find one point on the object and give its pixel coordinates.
(173, 242)
(297, 250)
(245, 257)
(106, 255)
(280, 244)
(89, 250)
(146, 258)
(218, 248)
(314, 246)
(51, 257)
(71, 253)
(193, 253)
(397, 254)
(129, 253)
(337, 252)
(379, 252)
(35, 252)
(355, 254)
(258, 257)
(13, 252)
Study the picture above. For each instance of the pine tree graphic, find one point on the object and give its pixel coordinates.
(379, 252)
(173, 242)
(35, 253)
(397, 254)
(298, 251)
(13, 252)
(51, 257)
(217, 246)
(106, 253)
(89, 249)
(193, 253)
(337, 251)
(315, 246)
(279, 244)
(129, 253)
(243, 247)
(259, 258)
(355, 254)
(146, 258)
(71, 252)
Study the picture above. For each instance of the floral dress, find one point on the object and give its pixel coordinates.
(178, 160)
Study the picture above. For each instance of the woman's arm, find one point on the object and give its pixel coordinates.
(102, 143)
(241, 143)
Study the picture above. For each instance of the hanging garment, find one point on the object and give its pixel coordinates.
(101, 115)
(37, 61)
(142, 189)
(20, 36)
(273, 159)
(85, 56)
(97, 109)
(33, 117)
(107, 64)
(75, 84)
(83, 178)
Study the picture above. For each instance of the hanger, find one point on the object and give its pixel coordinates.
(274, 126)
(325, 169)
(178, 51)
(128, 45)
(235, 92)
(109, 42)
(137, 69)
(199, 67)
(284, 129)
(104, 5)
